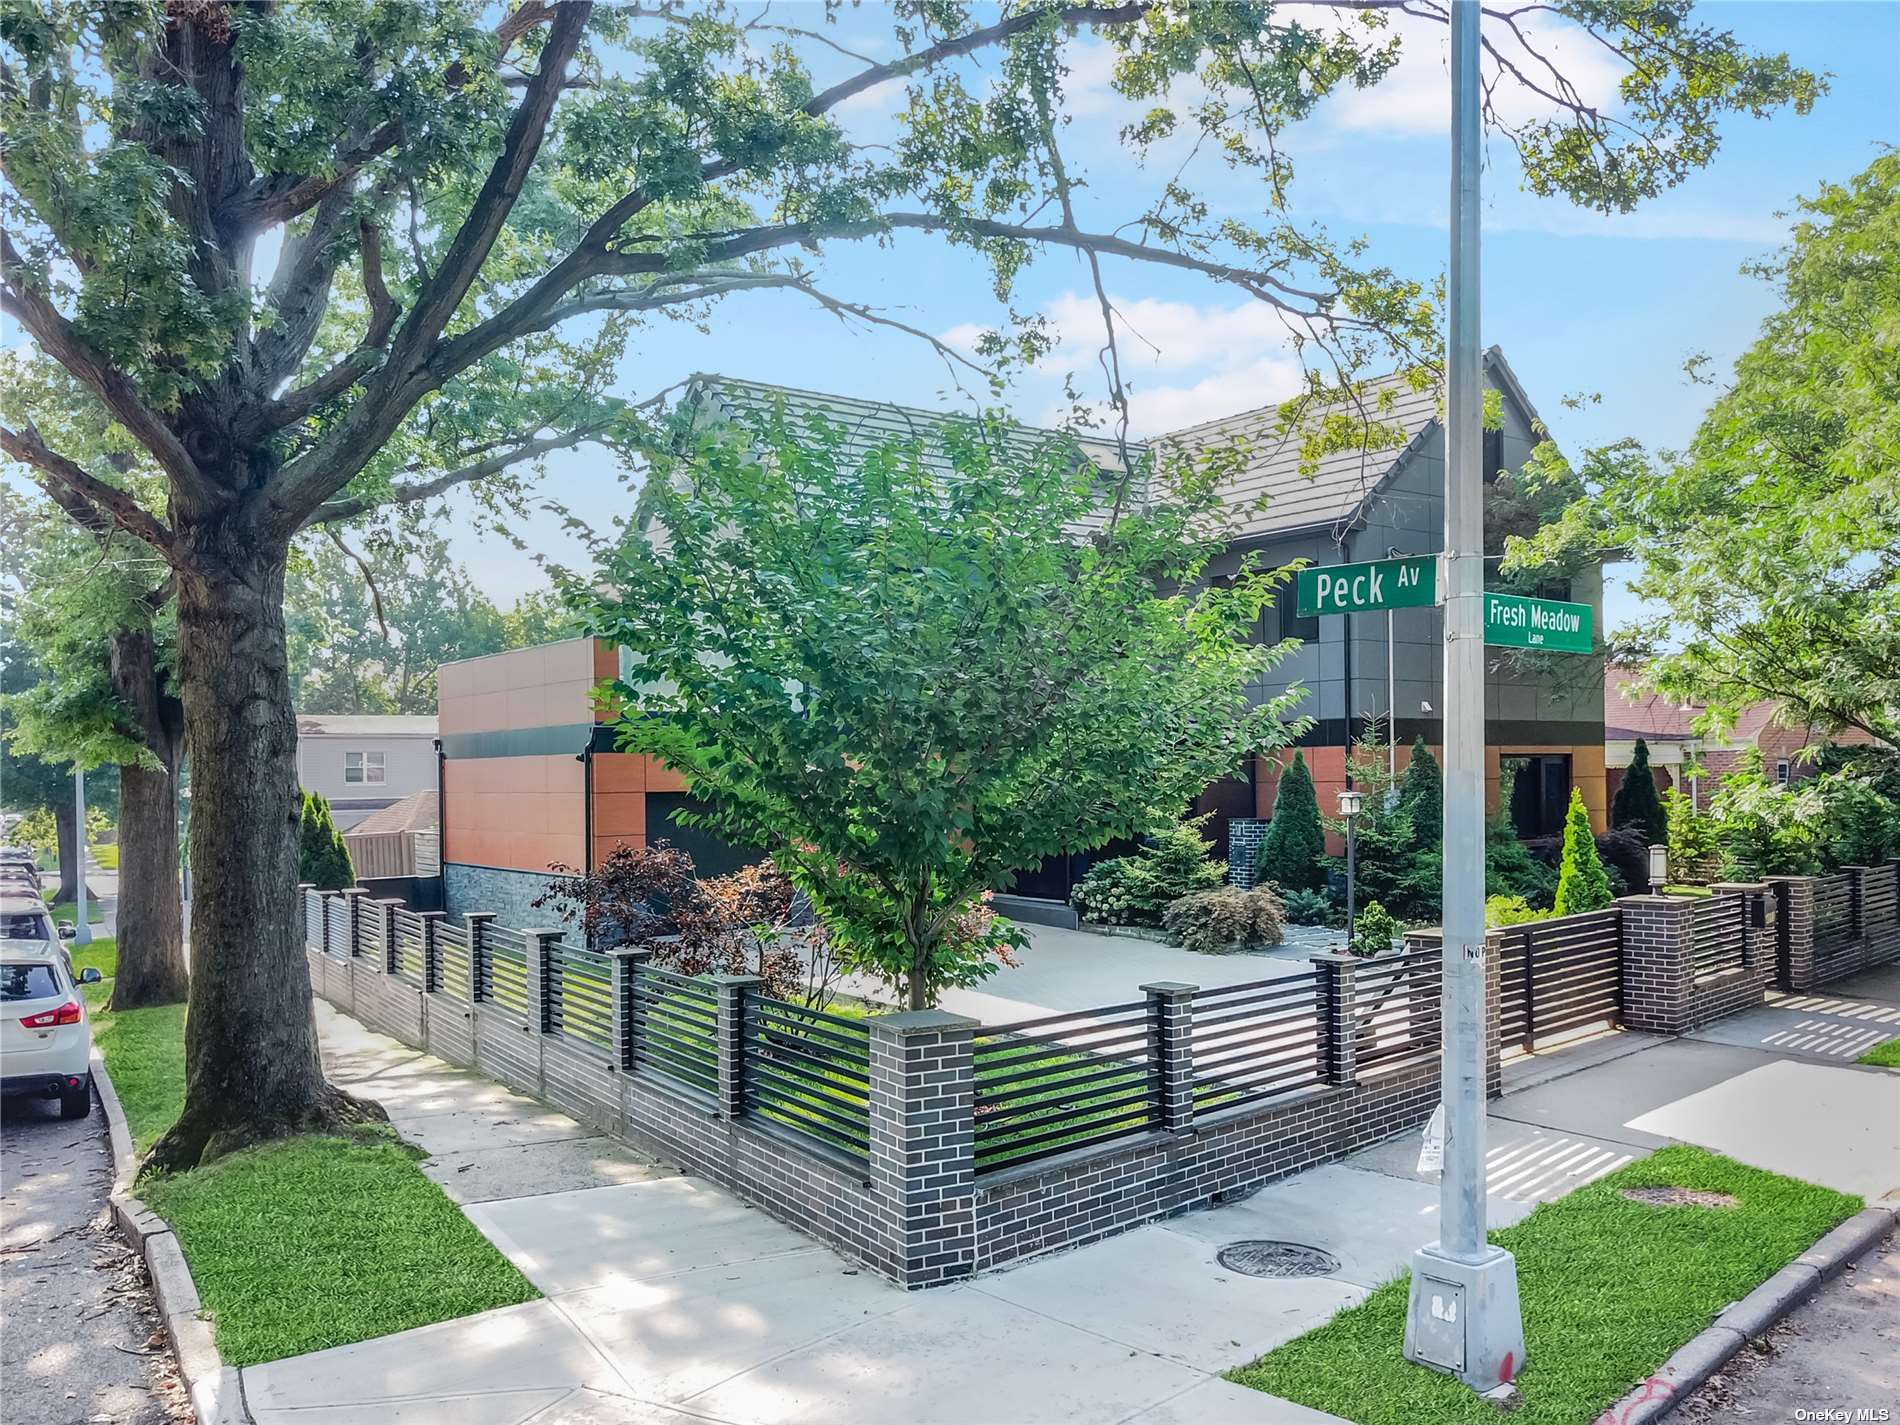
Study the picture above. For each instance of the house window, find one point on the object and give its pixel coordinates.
(365, 767)
(1782, 771)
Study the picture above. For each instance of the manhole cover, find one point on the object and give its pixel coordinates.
(1276, 1259)
(1679, 1197)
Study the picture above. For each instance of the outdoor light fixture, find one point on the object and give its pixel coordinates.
(1350, 804)
(1658, 867)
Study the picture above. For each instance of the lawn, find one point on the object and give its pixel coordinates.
(1886, 1056)
(1610, 1288)
(305, 1243)
(107, 856)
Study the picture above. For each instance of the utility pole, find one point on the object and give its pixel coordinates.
(1463, 1315)
(82, 927)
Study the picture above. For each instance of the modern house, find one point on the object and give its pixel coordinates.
(530, 779)
(363, 763)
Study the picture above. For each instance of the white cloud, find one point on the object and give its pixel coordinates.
(1415, 98)
(1264, 381)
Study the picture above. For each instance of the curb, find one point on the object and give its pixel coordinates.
(1743, 1320)
(217, 1394)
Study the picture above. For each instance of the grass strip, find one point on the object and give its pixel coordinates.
(1611, 1288)
(304, 1243)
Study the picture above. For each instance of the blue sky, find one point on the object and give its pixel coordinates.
(1579, 302)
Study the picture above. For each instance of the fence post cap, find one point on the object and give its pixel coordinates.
(391, 900)
(1737, 887)
(1169, 989)
(545, 934)
(730, 980)
(480, 914)
(431, 914)
(904, 1023)
(630, 952)
(1335, 957)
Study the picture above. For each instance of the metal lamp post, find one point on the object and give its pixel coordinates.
(1463, 1315)
(1350, 804)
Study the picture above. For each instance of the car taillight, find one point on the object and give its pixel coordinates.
(67, 1013)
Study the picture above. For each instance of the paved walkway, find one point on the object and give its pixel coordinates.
(669, 1301)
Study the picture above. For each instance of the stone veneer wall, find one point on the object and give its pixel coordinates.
(509, 894)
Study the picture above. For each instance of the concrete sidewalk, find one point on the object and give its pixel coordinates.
(669, 1300)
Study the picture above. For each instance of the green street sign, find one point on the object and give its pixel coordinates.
(1511, 621)
(1369, 588)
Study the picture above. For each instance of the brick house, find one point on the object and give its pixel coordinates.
(530, 778)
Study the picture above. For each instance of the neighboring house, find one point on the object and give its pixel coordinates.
(1669, 730)
(364, 762)
(530, 778)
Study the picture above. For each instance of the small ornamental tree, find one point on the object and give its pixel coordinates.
(1637, 804)
(1292, 853)
(1582, 883)
(907, 674)
(322, 859)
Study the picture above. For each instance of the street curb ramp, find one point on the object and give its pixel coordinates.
(1742, 1321)
(216, 1390)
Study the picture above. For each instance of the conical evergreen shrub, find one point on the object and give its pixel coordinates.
(1582, 883)
(1293, 850)
(322, 858)
(1637, 803)
(1422, 794)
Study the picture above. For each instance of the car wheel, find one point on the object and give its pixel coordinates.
(75, 1105)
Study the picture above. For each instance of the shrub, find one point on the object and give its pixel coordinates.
(1637, 806)
(1859, 826)
(1692, 837)
(1307, 907)
(322, 858)
(1582, 883)
(1134, 890)
(1510, 910)
(1511, 870)
(1225, 920)
(1765, 829)
(1292, 853)
(1625, 855)
(1375, 931)
(1422, 790)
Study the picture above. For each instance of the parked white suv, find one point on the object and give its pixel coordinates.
(45, 1033)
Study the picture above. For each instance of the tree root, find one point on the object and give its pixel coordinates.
(209, 1132)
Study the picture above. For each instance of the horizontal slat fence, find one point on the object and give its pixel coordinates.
(1717, 925)
(1049, 1085)
(1398, 1006)
(407, 958)
(1556, 976)
(452, 959)
(502, 968)
(1836, 940)
(581, 995)
(1257, 1040)
(675, 1027)
(809, 1071)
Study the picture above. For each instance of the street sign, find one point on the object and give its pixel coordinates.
(1511, 621)
(1369, 588)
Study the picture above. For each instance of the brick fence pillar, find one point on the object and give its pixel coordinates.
(477, 923)
(543, 977)
(1336, 1011)
(1658, 962)
(1171, 1041)
(431, 950)
(923, 1143)
(1493, 1015)
(627, 963)
(729, 992)
(1794, 899)
(386, 913)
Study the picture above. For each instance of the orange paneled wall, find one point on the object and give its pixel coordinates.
(621, 783)
(521, 813)
(548, 686)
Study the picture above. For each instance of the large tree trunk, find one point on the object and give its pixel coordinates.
(150, 921)
(251, 1065)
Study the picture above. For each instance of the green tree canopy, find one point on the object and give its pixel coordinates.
(1773, 541)
(323, 859)
(1293, 852)
(912, 672)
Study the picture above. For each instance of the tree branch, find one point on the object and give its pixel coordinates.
(86, 497)
(294, 405)
(332, 511)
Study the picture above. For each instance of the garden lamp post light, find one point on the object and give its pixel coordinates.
(1658, 868)
(1350, 804)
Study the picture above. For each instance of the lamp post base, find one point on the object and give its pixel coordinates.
(1463, 1317)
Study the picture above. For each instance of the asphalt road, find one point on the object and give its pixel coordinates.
(80, 1340)
(1839, 1352)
